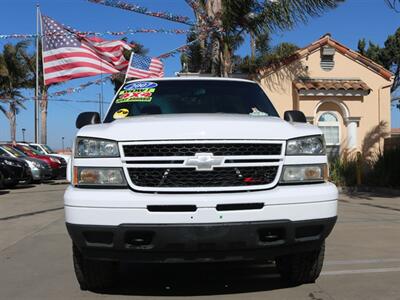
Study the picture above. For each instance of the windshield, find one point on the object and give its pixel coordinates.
(27, 149)
(4, 153)
(37, 148)
(190, 96)
(48, 149)
(13, 151)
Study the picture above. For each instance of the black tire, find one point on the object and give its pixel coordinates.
(94, 275)
(1, 180)
(11, 184)
(302, 267)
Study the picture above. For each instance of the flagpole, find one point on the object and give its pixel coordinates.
(37, 78)
(126, 74)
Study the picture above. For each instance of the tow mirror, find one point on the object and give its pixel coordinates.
(294, 116)
(87, 118)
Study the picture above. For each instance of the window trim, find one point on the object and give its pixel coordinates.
(330, 124)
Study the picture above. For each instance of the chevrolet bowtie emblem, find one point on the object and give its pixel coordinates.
(204, 161)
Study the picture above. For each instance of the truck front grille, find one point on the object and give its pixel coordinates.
(189, 177)
(220, 149)
(202, 165)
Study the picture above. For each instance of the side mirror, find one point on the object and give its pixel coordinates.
(294, 116)
(87, 118)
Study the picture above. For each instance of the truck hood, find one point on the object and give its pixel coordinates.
(198, 126)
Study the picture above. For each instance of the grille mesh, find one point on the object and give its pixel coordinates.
(192, 149)
(188, 177)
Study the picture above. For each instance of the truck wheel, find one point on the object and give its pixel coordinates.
(94, 274)
(301, 267)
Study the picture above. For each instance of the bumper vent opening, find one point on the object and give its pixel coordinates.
(272, 235)
(138, 239)
(171, 208)
(100, 238)
(309, 232)
(240, 206)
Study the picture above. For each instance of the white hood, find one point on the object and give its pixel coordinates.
(198, 126)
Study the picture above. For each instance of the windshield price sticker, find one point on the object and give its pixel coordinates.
(135, 95)
(140, 85)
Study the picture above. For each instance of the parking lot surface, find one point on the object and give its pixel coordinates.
(362, 259)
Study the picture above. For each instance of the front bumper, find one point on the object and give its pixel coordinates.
(200, 242)
(41, 174)
(113, 207)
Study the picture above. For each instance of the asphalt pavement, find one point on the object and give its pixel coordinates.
(362, 259)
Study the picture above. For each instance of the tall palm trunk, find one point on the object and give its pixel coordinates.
(214, 10)
(43, 115)
(226, 60)
(12, 118)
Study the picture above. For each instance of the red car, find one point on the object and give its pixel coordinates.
(58, 165)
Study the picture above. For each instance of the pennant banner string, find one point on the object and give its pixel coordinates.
(116, 33)
(144, 11)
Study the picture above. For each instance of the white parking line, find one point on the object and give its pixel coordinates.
(360, 271)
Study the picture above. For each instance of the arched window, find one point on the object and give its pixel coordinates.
(329, 124)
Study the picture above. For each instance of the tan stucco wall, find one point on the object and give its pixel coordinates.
(278, 86)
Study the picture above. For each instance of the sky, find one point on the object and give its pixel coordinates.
(352, 20)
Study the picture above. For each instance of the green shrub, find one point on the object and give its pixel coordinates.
(386, 170)
(343, 171)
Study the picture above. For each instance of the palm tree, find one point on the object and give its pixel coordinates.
(14, 77)
(258, 18)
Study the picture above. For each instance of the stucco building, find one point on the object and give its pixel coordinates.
(338, 89)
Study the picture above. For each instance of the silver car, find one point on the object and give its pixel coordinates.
(40, 170)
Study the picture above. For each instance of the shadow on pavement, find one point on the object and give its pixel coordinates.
(370, 195)
(196, 279)
(23, 186)
(4, 192)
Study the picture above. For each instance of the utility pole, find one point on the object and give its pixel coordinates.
(100, 106)
(62, 142)
(23, 134)
(37, 77)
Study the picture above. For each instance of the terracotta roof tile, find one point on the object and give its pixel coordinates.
(331, 84)
(327, 40)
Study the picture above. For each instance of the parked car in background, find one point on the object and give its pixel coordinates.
(40, 170)
(13, 171)
(58, 165)
(46, 150)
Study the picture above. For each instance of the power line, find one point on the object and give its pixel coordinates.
(60, 100)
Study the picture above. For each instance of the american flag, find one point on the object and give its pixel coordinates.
(144, 67)
(68, 54)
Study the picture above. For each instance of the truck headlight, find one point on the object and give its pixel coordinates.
(91, 147)
(304, 173)
(312, 145)
(89, 176)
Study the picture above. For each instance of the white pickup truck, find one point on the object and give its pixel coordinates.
(197, 170)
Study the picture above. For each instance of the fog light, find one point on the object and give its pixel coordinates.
(304, 173)
(86, 176)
